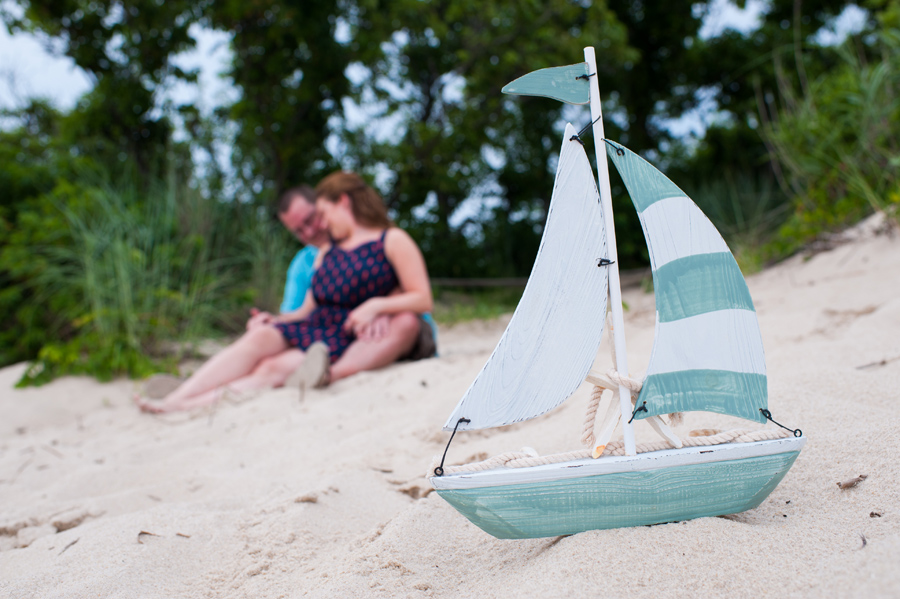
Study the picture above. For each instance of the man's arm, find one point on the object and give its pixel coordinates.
(308, 305)
(309, 302)
(296, 291)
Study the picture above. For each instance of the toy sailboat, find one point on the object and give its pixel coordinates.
(707, 355)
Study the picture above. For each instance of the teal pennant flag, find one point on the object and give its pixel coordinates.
(559, 83)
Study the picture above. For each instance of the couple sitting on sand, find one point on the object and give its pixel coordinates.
(364, 288)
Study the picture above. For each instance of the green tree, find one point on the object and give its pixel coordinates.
(33, 157)
(444, 133)
(742, 74)
(290, 69)
(127, 49)
(838, 142)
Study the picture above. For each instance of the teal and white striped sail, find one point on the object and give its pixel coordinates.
(708, 352)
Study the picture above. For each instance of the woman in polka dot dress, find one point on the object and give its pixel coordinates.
(344, 280)
(370, 268)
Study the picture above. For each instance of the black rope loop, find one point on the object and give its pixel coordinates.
(577, 136)
(619, 150)
(604, 262)
(797, 432)
(585, 77)
(643, 408)
(439, 471)
(589, 125)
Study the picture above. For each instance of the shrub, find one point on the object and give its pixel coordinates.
(124, 279)
(839, 144)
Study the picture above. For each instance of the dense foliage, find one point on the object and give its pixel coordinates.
(129, 223)
(838, 143)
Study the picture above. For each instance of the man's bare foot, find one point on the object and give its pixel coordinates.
(155, 406)
(146, 405)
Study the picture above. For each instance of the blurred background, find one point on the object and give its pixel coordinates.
(143, 144)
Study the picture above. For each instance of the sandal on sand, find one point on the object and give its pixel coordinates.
(314, 372)
(159, 386)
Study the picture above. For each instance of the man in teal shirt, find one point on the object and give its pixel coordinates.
(299, 278)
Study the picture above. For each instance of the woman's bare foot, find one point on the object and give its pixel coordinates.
(314, 372)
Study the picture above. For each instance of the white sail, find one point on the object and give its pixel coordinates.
(552, 339)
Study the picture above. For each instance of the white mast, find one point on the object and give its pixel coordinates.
(615, 290)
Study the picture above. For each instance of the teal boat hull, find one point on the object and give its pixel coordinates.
(622, 499)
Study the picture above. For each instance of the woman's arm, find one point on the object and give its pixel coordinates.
(305, 309)
(409, 265)
(415, 288)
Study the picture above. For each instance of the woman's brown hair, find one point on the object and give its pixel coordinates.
(368, 207)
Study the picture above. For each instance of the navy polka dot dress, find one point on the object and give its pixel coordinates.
(345, 280)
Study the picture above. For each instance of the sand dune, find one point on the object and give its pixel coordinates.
(326, 496)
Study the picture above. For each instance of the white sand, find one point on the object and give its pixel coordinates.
(277, 497)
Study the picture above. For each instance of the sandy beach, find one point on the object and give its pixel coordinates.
(325, 495)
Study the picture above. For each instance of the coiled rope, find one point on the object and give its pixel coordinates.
(611, 382)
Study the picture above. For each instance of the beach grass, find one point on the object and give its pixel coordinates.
(136, 272)
(455, 305)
